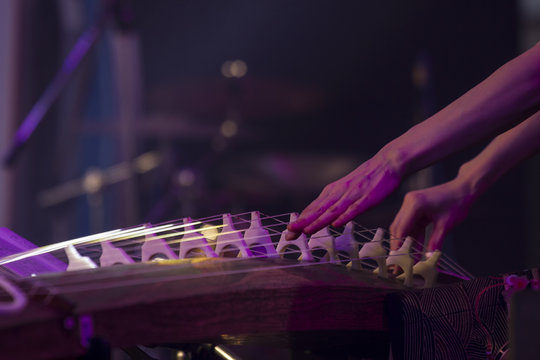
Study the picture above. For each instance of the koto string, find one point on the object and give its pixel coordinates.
(113, 283)
(107, 276)
(168, 227)
(137, 235)
(445, 262)
(135, 271)
(293, 252)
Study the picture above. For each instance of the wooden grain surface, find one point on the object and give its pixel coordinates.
(185, 301)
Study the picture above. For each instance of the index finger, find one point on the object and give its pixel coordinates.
(312, 212)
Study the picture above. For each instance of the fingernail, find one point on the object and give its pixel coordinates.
(290, 235)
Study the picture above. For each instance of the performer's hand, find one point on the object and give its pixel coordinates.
(497, 103)
(349, 196)
(443, 205)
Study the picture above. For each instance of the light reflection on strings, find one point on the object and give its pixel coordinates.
(136, 236)
(75, 286)
(67, 287)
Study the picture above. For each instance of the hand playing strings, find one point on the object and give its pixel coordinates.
(349, 196)
(447, 204)
(443, 206)
(498, 103)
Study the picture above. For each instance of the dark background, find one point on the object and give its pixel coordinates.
(328, 84)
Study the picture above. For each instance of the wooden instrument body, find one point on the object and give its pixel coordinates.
(216, 300)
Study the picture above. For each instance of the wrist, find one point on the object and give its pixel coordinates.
(474, 179)
(400, 161)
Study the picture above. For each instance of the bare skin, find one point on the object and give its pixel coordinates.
(447, 204)
(498, 103)
(340, 201)
(443, 205)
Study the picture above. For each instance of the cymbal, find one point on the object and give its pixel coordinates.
(250, 96)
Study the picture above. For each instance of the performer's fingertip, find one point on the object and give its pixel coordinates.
(295, 226)
(292, 235)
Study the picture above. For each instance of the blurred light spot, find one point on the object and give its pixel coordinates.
(229, 128)
(146, 162)
(93, 181)
(186, 177)
(209, 232)
(159, 258)
(420, 75)
(234, 69)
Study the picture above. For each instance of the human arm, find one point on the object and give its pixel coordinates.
(447, 204)
(505, 98)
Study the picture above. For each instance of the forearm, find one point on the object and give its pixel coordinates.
(501, 101)
(502, 154)
(447, 204)
(496, 104)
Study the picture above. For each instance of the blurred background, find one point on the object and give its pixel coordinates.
(194, 108)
